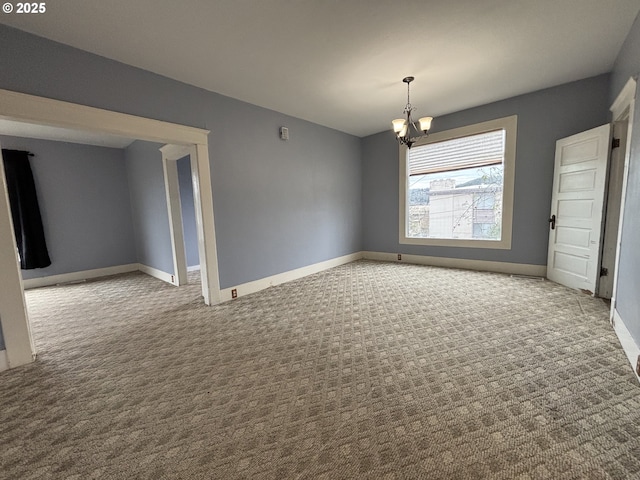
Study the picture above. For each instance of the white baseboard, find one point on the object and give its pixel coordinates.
(4, 361)
(261, 284)
(78, 276)
(483, 265)
(98, 272)
(501, 267)
(159, 274)
(626, 341)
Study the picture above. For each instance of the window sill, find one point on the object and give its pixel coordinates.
(442, 242)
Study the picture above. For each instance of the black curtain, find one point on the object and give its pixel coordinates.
(25, 211)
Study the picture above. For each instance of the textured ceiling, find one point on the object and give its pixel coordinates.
(340, 63)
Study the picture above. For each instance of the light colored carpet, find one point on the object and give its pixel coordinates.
(368, 370)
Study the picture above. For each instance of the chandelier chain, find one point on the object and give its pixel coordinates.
(408, 107)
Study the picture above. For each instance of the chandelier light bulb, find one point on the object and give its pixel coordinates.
(398, 124)
(425, 123)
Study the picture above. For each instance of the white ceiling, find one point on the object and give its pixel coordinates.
(340, 63)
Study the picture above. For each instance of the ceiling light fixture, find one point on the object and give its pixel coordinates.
(407, 132)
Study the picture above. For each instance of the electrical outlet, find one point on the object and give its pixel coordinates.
(234, 293)
(399, 256)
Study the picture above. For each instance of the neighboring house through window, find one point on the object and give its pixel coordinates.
(456, 187)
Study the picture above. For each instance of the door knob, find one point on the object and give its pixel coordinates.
(552, 221)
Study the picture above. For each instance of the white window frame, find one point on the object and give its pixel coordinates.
(509, 124)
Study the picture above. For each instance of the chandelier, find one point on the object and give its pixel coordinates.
(407, 132)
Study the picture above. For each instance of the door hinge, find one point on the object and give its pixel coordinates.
(615, 143)
(604, 271)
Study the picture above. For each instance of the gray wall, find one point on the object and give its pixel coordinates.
(149, 205)
(278, 205)
(628, 296)
(543, 117)
(84, 203)
(298, 205)
(188, 212)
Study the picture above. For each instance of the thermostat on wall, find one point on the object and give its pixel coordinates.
(284, 133)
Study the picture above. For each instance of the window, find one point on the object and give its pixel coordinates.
(456, 187)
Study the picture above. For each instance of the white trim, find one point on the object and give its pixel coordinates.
(79, 276)
(56, 113)
(611, 211)
(174, 211)
(210, 284)
(624, 98)
(482, 265)
(257, 285)
(159, 274)
(619, 110)
(13, 311)
(273, 280)
(46, 111)
(101, 272)
(4, 362)
(631, 349)
(205, 223)
(175, 152)
(510, 125)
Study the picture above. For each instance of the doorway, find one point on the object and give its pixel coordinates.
(173, 157)
(189, 223)
(590, 180)
(623, 117)
(54, 113)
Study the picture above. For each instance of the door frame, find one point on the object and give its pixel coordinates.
(45, 111)
(623, 108)
(16, 329)
(611, 212)
(170, 156)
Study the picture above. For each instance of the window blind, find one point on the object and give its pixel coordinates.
(456, 154)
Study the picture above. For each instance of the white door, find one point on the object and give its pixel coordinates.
(576, 209)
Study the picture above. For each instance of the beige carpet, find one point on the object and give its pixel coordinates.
(369, 370)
